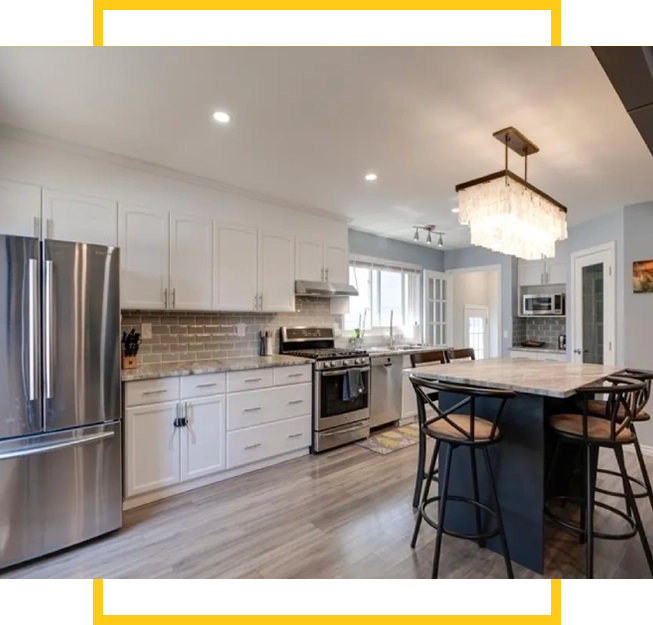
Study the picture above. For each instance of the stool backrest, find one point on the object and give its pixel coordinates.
(641, 376)
(466, 353)
(624, 396)
(422, 386)
(434, 356)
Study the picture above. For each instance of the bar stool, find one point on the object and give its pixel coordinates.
(593, 433)
(459, 430)
(597, 408)
(436, 356)
(466, 353)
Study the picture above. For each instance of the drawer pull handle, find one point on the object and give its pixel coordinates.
(295, 401)
(207, 385)
(162, 390)
(295, 435)
(254, 446)
(296, 375)
(253, 380)
(251, 409)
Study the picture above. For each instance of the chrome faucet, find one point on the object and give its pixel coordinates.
(392, 332)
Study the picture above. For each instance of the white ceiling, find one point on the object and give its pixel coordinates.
(308, 123)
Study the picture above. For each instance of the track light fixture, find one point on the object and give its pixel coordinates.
(430, 231)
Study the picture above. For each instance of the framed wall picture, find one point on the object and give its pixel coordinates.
(643, 276)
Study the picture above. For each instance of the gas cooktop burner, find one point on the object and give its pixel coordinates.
(327, 352)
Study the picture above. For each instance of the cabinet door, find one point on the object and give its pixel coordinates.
(556, 272)
(20, 209)
(152, 445)
(191, 263)
(531, 272)
(235, 254)
(144, 257)
(276, 273)
(203, 442)
(79, 218)
(310, 259)
(336, 260)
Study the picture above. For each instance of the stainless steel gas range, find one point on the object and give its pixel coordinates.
(341, 386)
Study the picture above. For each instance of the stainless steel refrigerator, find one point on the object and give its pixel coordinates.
(60, 430)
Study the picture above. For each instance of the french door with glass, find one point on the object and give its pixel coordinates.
(436, 325)
(476, 330)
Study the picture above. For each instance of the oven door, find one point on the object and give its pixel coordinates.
(331, 408)
(538, 304)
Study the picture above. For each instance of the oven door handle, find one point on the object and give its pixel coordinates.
(330, 374)
(352, 428)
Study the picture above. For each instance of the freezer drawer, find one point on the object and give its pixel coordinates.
(58, 489)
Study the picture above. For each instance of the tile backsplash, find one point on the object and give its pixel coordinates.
(545, 329)
(189, 336)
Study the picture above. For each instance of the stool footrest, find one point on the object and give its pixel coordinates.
(471, 502)
(620, 495)
(581, 531)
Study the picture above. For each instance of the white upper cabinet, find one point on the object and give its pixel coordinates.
(542, 272)
(191, 263)
(144, 243)
(235, 267)
(556, 272)
(203, 443)
(276, 275)
(310, 259)
(336, 262)
(79, 218)
(20, 209)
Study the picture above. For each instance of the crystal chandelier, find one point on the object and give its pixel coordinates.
(507, 214)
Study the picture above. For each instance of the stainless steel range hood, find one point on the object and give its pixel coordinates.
(323, 289)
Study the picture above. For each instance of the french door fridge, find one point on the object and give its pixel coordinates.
(60, 430)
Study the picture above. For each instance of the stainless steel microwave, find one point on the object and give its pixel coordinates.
(544, 304)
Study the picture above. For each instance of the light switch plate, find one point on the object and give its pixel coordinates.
(146, 331)
(505, 334)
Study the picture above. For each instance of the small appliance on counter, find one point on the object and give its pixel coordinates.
(266, 344)
(562, 341)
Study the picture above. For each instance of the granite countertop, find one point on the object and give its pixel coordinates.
(381, 351)
(542, 350)
(535, 377)
(177, 369)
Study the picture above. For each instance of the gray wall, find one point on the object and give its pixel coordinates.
(366, 244)
(637, 307)
(480, 257)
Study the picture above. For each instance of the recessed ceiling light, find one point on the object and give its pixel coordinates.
(371, 177)
(221, 117)
(455, 210)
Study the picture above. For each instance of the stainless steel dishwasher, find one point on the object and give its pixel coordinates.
(385, 389)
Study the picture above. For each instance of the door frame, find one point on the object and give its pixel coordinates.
(486, 346)
(476, 269)
(610, 304)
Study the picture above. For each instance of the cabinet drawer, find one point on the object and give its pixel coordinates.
(293, 375)
(250, 379)
(553, 357)
(143, 392)
(265, 441)
(245, 410)
(203, 385)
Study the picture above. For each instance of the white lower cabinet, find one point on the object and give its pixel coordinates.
(203, 439)
(152, 445)
(214, 433)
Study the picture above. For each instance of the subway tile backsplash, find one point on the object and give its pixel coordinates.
(546, 329)
(189, 336)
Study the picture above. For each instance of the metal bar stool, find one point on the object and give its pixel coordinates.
(597, 408)
(436, 356)
(459, 430)
(593, 433)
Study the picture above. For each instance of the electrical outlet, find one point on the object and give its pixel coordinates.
(146, 331)
(505, 334)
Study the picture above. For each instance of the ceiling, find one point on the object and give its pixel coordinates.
(309, 123)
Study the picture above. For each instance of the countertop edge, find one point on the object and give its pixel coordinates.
(178, 370)
(541, 350)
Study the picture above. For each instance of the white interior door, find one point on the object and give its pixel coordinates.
(477, 334)
(593, 306)
(436, 293)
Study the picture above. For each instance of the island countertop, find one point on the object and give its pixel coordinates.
(534, 377)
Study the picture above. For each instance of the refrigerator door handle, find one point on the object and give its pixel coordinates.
(43, 449)
(48, 329)
(33, 328)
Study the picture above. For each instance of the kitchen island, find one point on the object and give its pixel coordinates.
(521, 460)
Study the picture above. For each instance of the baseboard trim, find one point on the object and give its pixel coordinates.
(647, 450)
(178, 489)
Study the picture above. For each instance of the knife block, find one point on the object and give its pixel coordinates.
(129, 362)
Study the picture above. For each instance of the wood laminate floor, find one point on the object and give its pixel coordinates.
(346, 513)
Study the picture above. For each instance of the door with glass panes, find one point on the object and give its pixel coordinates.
(436, 325)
